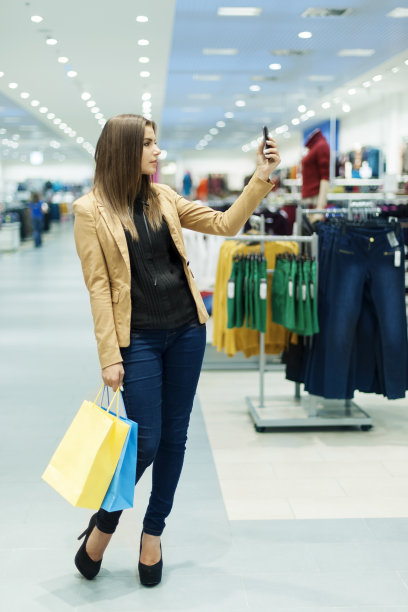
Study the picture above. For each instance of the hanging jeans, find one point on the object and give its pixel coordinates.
(162, 368)
(363, 327)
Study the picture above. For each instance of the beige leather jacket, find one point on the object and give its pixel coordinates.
(102, 248)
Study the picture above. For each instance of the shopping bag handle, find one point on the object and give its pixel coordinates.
(116, 394)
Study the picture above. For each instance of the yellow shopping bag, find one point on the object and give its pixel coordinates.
(83, 465)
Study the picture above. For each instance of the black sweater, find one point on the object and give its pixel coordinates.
(161, 298)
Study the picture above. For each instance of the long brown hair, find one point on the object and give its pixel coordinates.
(118, 177)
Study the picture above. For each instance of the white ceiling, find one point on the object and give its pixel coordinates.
(101, 41)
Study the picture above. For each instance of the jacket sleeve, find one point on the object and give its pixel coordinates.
(204, 219)
(97, 281)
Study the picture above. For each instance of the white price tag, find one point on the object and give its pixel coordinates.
(304, 292)
(262, 290)
(231, 290)
(397, 258)
(290, 287)
(311, 287)
(392, 239)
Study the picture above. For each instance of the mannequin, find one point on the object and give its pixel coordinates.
(316, 170)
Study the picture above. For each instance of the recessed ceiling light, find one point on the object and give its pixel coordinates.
(326, 105)
(240, 103)
(24, 95)
(13, 85)
(367, 84)
(302, 108)
(377, 78)
(1, 74)
(146, 96)
(310, 113)
(98, 116)
(327, 12)
(254, 88)
(143, 42)
(406, 62)
(86, 96)
(95, 109)
(336, 100)
(208, 51)
(281, 129)
(304, 117)
(36, 19)
(72, 73)
(208, 137)
(207, 77)
(43, 110)
(51, 116)
(305, 35)
(35, 103)
(399, 12)
(239, 11)
(275, 66)
(145, 74)
(142, 18)
(51, 41)
(229, 115)
(346, 108)
(144, 60)
(356, 52)
(63, 126)
(80, 140)
(320, 78)
(214, 131)
(395, 69)
(57, 121)
(352, 91)
(101, 121)
(295, 121)
(220, 124)
(90, 103)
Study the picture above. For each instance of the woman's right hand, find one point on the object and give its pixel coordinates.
(113, 375)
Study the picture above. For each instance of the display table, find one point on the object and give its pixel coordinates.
(10, 236)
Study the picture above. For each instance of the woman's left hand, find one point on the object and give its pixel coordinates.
(268, 160)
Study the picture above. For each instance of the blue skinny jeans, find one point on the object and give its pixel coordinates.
(162, 368)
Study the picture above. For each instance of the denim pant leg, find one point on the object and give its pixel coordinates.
(142, 394)
(182, 360)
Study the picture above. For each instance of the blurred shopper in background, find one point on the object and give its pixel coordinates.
(37, 218)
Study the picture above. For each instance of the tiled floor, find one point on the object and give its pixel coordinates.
(258, 520)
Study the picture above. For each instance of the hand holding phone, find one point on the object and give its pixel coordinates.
(265, 136)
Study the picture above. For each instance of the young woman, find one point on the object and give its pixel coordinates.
(149, 318)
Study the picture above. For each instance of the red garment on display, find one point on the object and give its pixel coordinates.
(315, 165)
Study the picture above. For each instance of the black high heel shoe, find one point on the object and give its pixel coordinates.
(150, 575)
(88, 568)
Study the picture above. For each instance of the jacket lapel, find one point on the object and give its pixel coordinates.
(116, 229)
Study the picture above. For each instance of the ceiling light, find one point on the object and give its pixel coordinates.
(142, 19)
(36, 158)
(275, 66)
(326, 105)
(406, 62)
(220, 124)
(320, 78)
(395, 69)
(203, 143)
(208, 137)
(356, 53)
(199, 147)
(55, 144)
(399, 12)
(144, 74)
(24, 95)
(245, 148)
(90, 103)
(13, 85)
(305, 35)
(1, 74)
(302, 108)
(62, 126)
(67, 130)
(36, 19)
(346, 108)
(143, 42)
(98, 116)
(146, 96)
(50, 116)
(95, 109)
(51, 41)
(207, 77)
(43, 110)
(239, 11)
(281, 129)
(144, 60)
(310, 113)
(63, 60)
(377, 78)
(71, 74)
(240, 103)
(366, 84)
(229, 115)
(326, 12)
(336, 100)
(80, 140)
(209, 51)
(35, 103)
(86, 96)
(57, 121)
(352, 91)
(213, 131)
(254, 88)
(295, 121)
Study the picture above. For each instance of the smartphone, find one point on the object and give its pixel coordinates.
(266, 136)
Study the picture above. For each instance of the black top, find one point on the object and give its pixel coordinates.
(161, 297)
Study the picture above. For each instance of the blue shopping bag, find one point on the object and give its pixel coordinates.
(120, 493)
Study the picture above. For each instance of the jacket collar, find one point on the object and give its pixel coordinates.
(117, 231)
